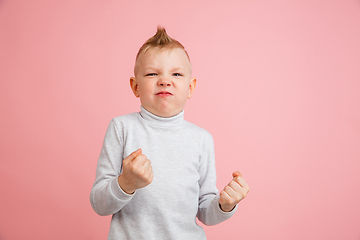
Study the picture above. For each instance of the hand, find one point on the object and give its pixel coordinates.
(233, 193)
(137, 172)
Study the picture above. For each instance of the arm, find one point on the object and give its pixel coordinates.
(106, 196)
(209, 211)
(112, 190)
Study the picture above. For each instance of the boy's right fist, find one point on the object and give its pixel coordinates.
(137, 172)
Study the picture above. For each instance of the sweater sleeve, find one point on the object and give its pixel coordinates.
(106, 196)
(209, 211)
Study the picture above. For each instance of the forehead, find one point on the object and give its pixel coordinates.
(158, 54)
(165, 57)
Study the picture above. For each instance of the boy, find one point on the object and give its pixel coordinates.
(156, 171)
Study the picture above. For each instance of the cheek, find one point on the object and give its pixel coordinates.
(184, 93)
(185, 90)
(143, 88)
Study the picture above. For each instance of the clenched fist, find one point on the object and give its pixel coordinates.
(137, 172)
(234, 192)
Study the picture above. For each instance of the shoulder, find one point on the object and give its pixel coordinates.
(122, 122)
(197, 131)
(202, 140)
(119, 125)
(125, 119)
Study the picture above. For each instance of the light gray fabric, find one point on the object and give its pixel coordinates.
(183, 187)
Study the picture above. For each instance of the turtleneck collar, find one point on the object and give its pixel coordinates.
(161, 121)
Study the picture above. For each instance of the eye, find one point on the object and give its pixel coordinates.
(150, 74)
(177, 74)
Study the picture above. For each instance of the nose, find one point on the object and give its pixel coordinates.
(164, 82)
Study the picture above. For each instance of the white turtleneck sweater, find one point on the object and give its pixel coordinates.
(183, 187)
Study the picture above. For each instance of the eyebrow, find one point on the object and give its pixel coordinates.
(177, 69)
(151, 68)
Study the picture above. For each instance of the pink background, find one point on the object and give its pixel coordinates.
(278, 87)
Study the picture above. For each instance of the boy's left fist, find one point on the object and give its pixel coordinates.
(233, 193)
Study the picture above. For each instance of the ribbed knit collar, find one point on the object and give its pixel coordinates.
(161, 121)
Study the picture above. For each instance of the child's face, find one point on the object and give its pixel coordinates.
(163, 81)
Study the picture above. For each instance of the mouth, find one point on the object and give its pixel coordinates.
(164, 94)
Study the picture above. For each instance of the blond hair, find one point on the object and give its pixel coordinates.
(161, 40)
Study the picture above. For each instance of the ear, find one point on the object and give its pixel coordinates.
(192, 87)
(134, 86)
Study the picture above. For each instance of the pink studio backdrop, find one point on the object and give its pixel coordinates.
(278, 87)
